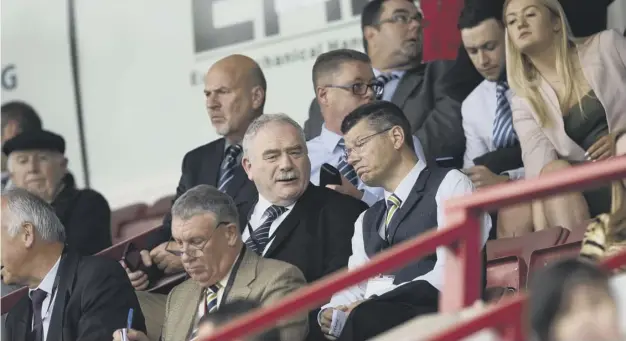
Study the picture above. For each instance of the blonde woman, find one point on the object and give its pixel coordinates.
(570, 99)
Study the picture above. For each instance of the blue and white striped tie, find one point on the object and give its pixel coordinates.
(260, 237)
(228, 167)
(344, 167)
(385, 78)
(503, 133)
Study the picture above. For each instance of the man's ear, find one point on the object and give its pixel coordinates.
(258, 97)
(245, 163)
(369, 33)
(232, 234)
(397, 136)
(321, 93)
(28, 238)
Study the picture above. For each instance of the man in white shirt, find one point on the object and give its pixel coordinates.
(343, 80)
(207, 238)
(377, 147)
(492, 153)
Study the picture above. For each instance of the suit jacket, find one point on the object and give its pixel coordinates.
(86, 216)
(266, 281)
(202, 166)
(316, 237)
(92, 300)
(603, 58)
(434, 116)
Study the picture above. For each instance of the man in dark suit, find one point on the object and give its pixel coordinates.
(294, 220)
(37, 163)
(235, 95)
(71, 297)
(392, 37)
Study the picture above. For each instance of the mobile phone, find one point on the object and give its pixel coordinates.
(132, 258)
(447, 162)
(329, 175)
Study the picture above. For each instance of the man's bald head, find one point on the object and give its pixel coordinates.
(235, 89)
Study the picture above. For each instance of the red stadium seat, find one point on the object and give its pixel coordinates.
(150, 218)
(578, 232)
(506, 272)
(523, 246)
(541, 258)
(123, 216)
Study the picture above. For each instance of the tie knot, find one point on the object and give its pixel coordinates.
(275, 211)
(386, 77)
(233, 150)
(502, 87)
(38, 296)
(393, 200)
(341, 144)
(213, 289)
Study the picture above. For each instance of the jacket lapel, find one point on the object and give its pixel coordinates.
(213, 161)
(23, 320)
(290, 223)
(246, 274)
(67, 273)
(414, 198)
(185, 314)
(411, 80)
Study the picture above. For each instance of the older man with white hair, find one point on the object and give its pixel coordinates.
(70, 297)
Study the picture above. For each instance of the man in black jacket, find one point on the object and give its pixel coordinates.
(70, 297)
(392, 37)
(36, 163)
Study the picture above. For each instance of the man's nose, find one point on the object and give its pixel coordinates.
(483, 59)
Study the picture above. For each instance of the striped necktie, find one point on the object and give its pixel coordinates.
(385, 78)
(345, 168)
(228, 166)
(393, 203)
(260, 237)
(503, 133)
(206, 306)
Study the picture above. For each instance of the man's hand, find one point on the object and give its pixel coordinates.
(167, 262)
(347, 187)
(139, 279)
(601, 149)
(481, 176)
(348, 309)
(327, 318)
(133, 335)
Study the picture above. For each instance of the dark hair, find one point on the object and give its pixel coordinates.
(22, 113)
(232, 310)
(380, 115)
(371, 16)
(551, 290)
(476, 11)
(331, 61)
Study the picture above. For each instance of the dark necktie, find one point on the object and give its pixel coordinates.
(207, 306)
(260, 237)
(37, 297)
(503, 133)
(228, 166)
(345, 168)
(385, 78)
(393, 204)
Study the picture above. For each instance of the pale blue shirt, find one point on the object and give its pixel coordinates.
(325, 149)
(390, 87)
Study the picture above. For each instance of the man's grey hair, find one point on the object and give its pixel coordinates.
(264, 120)
(204, 199)
(25, 207)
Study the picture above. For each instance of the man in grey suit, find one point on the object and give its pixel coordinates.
(392, 37)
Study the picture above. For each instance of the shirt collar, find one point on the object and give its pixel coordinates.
(264, 204)
(399, 73)
(330, 140)
(406, 185)
(47, 284)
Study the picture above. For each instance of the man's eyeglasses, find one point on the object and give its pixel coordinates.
(360, 143)
(404, 18)
(360, 89)
(194, 248)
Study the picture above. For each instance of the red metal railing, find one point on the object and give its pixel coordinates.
(461, 238)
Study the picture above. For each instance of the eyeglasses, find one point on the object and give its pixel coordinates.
(405, 19)
(195, 248)
(360, 143)
(360, 89)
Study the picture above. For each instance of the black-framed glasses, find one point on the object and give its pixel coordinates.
(404, 18)
(360, 143)
(194, 248)
(360, 88)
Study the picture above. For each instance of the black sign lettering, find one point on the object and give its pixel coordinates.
(9, 77)
(208, 37)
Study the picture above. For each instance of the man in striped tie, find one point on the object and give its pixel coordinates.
(205, 230)
(492, 154)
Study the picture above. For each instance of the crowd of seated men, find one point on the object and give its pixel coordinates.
(270, 207)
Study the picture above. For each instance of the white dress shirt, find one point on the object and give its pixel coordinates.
(453, 184)
(258, 217)
(47, 306)
(479, 112)
(392, 85)
(324, 149)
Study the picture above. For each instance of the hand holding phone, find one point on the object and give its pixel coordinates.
(132, 259)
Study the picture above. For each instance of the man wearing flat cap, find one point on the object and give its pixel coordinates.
(36, 163)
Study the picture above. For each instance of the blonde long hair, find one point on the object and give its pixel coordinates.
(524, 78)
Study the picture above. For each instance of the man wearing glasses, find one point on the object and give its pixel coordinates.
(343, 81)
(413, 205)
(205, 230)
(392, 37)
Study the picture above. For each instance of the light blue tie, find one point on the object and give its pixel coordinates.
(503, 133)
(228, 166)
(345, 168)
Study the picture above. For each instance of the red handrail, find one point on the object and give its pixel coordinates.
(463, 215)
